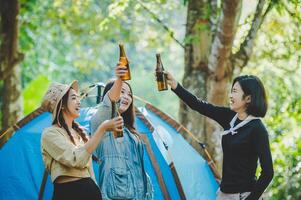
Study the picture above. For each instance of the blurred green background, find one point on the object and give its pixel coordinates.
(67, 40)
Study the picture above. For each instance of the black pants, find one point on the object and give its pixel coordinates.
(84, 188)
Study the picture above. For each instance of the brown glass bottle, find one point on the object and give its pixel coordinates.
(160, 74)
(124, 62)
(116, 113)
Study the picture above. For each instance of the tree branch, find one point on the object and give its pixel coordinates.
(213, 15)
(242, 56)
(223, 40)
(170, 32)
(291, 13)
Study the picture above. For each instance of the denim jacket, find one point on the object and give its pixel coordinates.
(121, 170)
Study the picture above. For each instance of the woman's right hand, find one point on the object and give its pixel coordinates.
(120, 70)
(115, 124)
(171, 80)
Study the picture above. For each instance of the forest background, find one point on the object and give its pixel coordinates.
(205, 44)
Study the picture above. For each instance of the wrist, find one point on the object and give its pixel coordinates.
(102, 128)
(174, 85)
(118, 78)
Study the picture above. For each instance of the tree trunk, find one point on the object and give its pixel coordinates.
(9, 59)
(197, 48)
(207, 68)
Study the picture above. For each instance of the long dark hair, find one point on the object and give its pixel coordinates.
(129, 115)
(59, 120)
(251, 85)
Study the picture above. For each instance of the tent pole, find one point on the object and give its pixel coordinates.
(178, 127)
(43, 183)
(156, 168)
(174, 172)
(171, 164)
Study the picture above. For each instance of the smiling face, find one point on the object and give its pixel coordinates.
(238, 101)
(125, 98)
(72, 107)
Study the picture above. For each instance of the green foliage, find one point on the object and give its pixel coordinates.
(164, 100)
(87, 41)
(85, 46)
(34, 92)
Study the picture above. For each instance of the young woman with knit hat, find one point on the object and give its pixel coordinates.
(66, 149)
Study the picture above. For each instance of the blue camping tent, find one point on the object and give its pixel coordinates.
(175, 171)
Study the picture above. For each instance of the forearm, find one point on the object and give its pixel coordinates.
(261, 185)
(220, 114)
(188, 98)
(115, 91)
(93, 142)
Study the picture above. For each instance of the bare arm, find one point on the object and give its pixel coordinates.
(107, 125)
(55, 143)
(114, 92)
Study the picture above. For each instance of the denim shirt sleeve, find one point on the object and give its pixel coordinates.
(103, 113)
